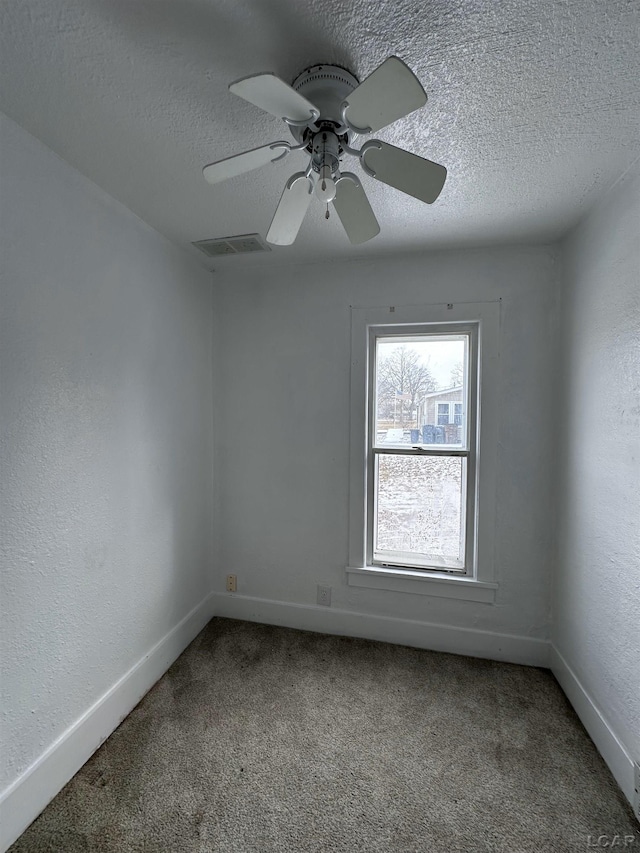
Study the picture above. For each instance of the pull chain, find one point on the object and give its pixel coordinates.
(322, 168)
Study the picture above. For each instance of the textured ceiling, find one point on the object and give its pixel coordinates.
(534, 107)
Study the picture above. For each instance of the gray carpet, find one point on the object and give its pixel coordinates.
(268, 739)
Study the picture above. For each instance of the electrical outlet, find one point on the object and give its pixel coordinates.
(636, 785)
(232, 583)
(324, 595)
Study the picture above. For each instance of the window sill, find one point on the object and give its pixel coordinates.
(407, 580)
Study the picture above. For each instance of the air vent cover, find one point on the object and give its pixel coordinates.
(232, 245)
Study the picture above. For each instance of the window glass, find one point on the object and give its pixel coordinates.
(443, 413)
(420, 390)
(420, 450)
(420, 510)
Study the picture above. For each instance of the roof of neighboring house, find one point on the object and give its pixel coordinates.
(441, 391)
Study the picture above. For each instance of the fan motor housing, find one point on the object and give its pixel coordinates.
(326, 86)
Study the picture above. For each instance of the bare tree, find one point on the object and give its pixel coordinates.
(457, 374)
(403, 378)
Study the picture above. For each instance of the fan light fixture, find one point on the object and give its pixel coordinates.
(324, 108)
(325, 186)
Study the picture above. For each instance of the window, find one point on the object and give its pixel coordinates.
(449, 413)
(421, 482)
(423, 446)
(443, 413)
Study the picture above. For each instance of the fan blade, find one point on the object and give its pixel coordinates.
(407, 172)
(221, 170)
(274, 96)
(390, 92)
(354, 210)
(291, 209)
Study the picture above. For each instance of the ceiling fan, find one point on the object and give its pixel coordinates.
(324, 108)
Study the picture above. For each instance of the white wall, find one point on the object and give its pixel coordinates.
(596, 612)
(283, 436)
(106, 450)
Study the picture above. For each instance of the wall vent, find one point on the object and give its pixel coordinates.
(232, 245)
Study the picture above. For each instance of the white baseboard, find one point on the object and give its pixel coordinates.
(406, 632)
(25, 798)
(607, 742)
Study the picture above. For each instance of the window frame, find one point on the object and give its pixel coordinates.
(468, 451)
(479, 582)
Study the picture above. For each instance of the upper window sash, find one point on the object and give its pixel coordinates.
(409, 334)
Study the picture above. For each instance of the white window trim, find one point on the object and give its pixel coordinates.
(480, 583)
